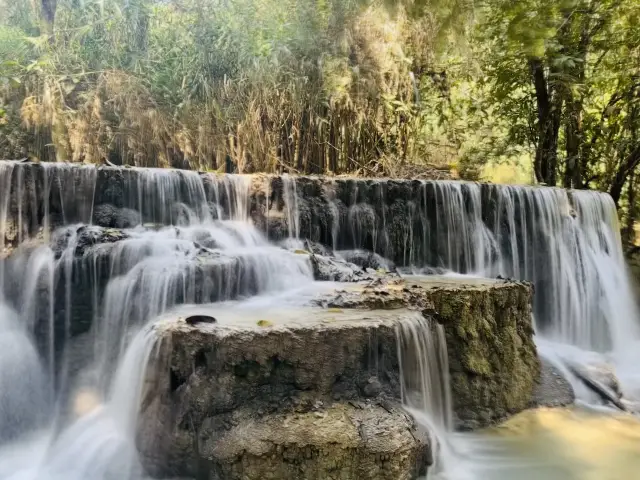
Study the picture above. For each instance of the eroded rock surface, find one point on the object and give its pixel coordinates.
(552, 388)
(492, 357)
(266, 376)
(344, 441)
(272, 378)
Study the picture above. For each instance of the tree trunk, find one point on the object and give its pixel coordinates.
(549, 110)
(626, 168)
(573, 135)
(629, 233)
(48, 15)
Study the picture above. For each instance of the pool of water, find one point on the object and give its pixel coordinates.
(549, 444)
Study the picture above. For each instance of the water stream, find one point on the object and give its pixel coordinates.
(78, 302)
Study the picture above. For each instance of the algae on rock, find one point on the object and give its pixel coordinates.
(306, 397)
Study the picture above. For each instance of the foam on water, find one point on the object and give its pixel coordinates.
(189, 238)
(90, 295)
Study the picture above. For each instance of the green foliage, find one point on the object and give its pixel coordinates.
(372, 87)
(297, 85)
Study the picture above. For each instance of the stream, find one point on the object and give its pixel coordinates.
(74, 348)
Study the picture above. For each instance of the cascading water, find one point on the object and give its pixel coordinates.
(424, 374)
(566, 243)
(75, 297)
(80, 302)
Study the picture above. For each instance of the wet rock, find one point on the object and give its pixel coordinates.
(91, 236)
(336, 270)
(603, 373)
(367, 260)
(492, 358)
(106, 215)
(372, 388)
(339, 442)
(318, 249)
(552, 388)
(84, 238)
(601, 379)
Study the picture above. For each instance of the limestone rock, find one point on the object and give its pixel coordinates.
(106, 215)
(336, 270)
(492, 357)
(603, 373)
(235, 382)
(552, 389)
(222, 379)
(341, 442)
(367, 260)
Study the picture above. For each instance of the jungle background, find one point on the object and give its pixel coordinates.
(532, 91)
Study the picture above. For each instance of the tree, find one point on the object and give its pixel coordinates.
(48, 9)
(577, 53)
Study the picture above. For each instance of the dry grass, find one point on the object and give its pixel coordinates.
(351, 107)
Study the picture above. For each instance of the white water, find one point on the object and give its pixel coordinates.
(425, 385)
(566, 243)
(99, 443)
(84, 427)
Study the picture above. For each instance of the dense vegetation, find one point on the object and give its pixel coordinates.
(550, 87)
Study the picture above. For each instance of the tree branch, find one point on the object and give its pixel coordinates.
(624, 170)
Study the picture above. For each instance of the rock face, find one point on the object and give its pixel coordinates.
(342, 442)
(492, 358)
(552, 388)
(309, 394)
(314, 393)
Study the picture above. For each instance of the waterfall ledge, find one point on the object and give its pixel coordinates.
(314, 392)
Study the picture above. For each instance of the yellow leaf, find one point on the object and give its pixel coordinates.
(334, 310)
(265, 323)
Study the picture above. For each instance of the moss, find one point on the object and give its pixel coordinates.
(493, 360)
(492, 356)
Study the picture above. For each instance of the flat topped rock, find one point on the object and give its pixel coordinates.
(231, 319)
(454, 281)
(284, 371)
(272, 376)
(417, 292)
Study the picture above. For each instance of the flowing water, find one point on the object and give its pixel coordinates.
(91, 292)
(78, 303)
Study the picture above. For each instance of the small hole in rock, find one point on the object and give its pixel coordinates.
(200, 359)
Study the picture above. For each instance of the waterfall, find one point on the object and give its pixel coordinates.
(291, 204)
(91, 257)
(75, 298)
(100, 443)
(566, 242)
(425, 384)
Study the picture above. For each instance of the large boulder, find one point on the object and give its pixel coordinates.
(280, 392)
(492, 357)
(309, 391)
